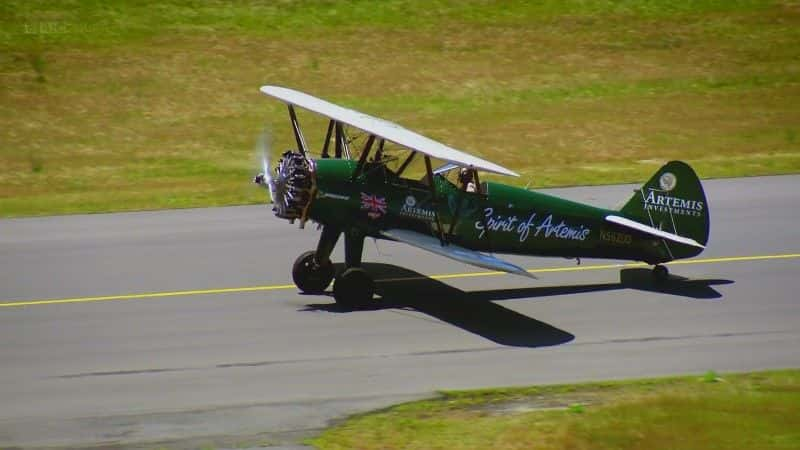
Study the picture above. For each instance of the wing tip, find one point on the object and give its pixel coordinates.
(271, 90)
(529, 275)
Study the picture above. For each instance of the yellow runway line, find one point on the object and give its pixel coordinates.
(19, 303)
(145, 295)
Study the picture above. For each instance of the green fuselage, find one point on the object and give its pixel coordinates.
(499, 218)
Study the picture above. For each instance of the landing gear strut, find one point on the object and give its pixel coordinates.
(353, 288)
(660, 273)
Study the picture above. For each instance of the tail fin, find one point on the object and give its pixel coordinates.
(672, 200)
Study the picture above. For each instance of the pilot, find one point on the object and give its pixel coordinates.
(466, 180)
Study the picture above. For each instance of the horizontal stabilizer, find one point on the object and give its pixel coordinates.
(451, 251)
(632, 224)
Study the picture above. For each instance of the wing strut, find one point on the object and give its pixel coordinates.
(477, 181)
(341, 142)
(478, 188)
(363, 158)
(406, 163)
(434, 200)
(298, 134)
(325, 146)
(379, 152)
(464, 187)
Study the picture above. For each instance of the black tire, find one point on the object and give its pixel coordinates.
(354, 288)
(310, 276)
(660, 274)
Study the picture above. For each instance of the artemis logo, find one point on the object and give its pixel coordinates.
(668, 181)
(411, 209)
(665, 203)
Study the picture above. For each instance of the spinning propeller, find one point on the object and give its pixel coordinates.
(289, 184)
(265, 177)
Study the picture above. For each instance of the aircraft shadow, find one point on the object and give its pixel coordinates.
(400, 288)
(476, 312)
(635, 278)
(700, 289)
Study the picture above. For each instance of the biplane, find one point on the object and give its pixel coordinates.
(448, 210)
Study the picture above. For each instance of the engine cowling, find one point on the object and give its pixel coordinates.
(292, 184)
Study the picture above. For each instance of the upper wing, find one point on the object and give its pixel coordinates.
(384, 129)
(628, 223)
(452, 251)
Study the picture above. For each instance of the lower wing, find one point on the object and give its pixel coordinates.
(431, 244)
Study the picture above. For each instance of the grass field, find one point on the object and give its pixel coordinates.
(122, 105)
(743, 411)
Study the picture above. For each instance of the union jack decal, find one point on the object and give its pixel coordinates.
(374, 205)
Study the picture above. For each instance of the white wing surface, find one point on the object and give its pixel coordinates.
(632, 224)
(431, 244)
(383, 128)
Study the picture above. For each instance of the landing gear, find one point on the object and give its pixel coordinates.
(660, 273)
(310, 275)
(313, 270)
(354, 288)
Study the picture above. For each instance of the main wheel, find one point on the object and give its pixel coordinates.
(309, 275)
(354, 288)
(660, 273)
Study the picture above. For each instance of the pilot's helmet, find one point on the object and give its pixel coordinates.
(464, 175)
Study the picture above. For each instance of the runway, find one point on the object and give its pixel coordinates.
(183, 326)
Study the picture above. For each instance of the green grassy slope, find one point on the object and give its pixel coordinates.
(124, 105)
(742, 411)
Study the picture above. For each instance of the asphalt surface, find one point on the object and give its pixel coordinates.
(269, 366)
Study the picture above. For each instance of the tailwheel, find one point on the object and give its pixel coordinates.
(311, 276)
(354, 288)
(660, 273)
